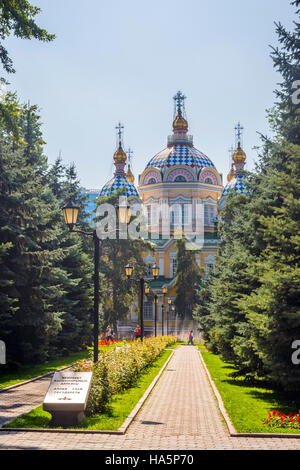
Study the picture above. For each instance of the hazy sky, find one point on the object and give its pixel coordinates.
(125, 60)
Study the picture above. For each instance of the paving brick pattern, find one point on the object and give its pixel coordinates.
(20, 400)
(180, 413)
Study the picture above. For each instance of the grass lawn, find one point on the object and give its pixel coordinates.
(247, 404)
(117, 410)
(29, 372)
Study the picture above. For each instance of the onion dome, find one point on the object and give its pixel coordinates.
(129, 174)
(120, 179)
(180, 161)
(239, 155)
(236, 182)
(117, 182)
(120, 155)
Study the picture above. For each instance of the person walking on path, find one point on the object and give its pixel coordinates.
(109, 333)
(137, 332)
(191, 338)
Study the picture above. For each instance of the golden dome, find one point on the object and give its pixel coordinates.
(129, 174)
(230, 174)
(239, 155)
(180, 124)
(119, 155)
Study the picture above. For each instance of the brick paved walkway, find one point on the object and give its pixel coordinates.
(181, 413)
(20, 400)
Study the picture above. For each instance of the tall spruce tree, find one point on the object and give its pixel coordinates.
(254, 304)
(76, 262)
(29, 213)
(46, 294)
(187, 279)
(114, 255)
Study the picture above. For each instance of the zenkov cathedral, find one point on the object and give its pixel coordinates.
(176, 184)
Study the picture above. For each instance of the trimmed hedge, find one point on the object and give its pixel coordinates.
(118, 368)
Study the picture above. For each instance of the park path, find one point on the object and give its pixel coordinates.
(22, 399)
(180, 413)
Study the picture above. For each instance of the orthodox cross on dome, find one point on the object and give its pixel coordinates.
(238, 133)
(119, 129)
(129, 154)
(179, 102)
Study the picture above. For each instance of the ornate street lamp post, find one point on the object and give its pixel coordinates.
(173, 310)
(141, 281)
(164, 291)
(70, 212)
(169, 304)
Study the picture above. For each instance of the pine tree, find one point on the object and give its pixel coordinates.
(28, 214)
(254, 298)
(114, 255)
(77, 264)
(187, 279)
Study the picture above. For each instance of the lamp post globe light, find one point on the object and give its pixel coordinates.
(70, 212)
(124, 212)
(141, 281)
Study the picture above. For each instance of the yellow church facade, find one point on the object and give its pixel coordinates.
(182, 194)
(179, 189)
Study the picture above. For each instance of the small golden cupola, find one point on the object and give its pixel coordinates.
(230, 174)
(239, 155)
(239, 158)
(119, 155)
(180, 123)
(129, 174)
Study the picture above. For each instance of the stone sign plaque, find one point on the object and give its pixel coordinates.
(67, 397)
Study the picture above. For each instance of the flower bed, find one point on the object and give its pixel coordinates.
(119, 367)
(277, 419)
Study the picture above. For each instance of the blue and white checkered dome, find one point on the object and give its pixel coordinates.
(180, 154)
(117, 182)
(236, 185)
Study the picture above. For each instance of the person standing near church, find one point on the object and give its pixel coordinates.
(191, 338)
(109, 333)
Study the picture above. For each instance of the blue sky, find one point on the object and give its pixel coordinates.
(125, 60)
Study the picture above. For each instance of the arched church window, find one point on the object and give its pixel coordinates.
(174, 266)
(179, 178)
(208, 181)
(152, 181)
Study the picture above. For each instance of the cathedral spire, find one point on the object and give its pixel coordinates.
(129, 174)
(239, 156)
(180, 125)
(119, 155)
